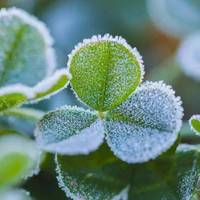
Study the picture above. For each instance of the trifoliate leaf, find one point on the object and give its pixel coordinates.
(145, 125)
(105, 71)
(100, 176)
(26, 54)
(94, 177)
(15, 95)
(52, 85)
(176, 18)
(70, 130)
(19, 158)
(15, 194)
(195, 123)
(187, 56)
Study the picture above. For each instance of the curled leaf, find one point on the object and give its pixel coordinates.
(145, 125)
(26, 53)
(70, 130)
(51, 85)
(15, 95)
(195, 123)
(105, 71)
(19, 158)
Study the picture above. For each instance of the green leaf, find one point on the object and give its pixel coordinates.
(26, 48)
(105, 71)
(70, 130)
(15, 194)
(15, 95)
(51, 85)
(19, 158)
(195, 123)
(100, 176)
(171, 178)
(93, 177)
(146, 125)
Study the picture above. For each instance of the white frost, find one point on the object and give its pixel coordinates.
(108, 37)
(87, 140)
(42, 29)
(189, 57)
(49, 82)
(19, 144)
(194, 117)
(17, 88)
(146, 124)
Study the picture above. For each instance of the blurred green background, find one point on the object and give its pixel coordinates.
(142, 23)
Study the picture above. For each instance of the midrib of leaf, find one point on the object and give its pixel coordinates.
(105, 83)
(11, 53)
(124, 119)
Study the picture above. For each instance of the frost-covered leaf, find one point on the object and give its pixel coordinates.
(195, 123)
(145, 125)
(51, 85)
(177, 18)
(100, 176)
(188, 56)
(97, 176)
(171, 178)
(15, 95)
(105, 71)
(19, 158)
(15, 194)
(70, 130)
(26, 54)
(22, 120)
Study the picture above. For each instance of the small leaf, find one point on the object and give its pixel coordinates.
(52, 85)
(26, 48)
(15, 194)
(145, 125)
(15, 95)
(19, 158)
(101, 176)
(195, 123)
(105, 71)
(70, 130)
(93, 177)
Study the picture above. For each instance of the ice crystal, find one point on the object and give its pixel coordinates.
(70, 130)
(105, 71)
(188, 56)
(195, 123)
(145, 125)
(18, 31)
